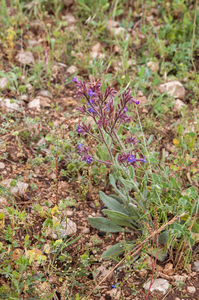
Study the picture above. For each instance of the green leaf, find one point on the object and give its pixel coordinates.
(116, 250)
(174, 182)
(163, 237)
(122, 222)
(13, 183)
(104, 224)
(49, 138)
(112, 203)
(116, 214)
(162, 254)
(116, 198)
(150, 139)
(112, 182)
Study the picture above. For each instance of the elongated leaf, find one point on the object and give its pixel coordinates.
(150, 139)
(119, 199)
(116, 214)
(174, 182)
(104, 224)
(119, 191)
(116, 250)
(112, 203)
(122, 222)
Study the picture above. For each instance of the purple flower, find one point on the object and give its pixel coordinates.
(79, 129)
(89, 159)
(80, 145)
(108, 106)
(91, 110)
(125, 109)
(90, 93)
(91, 101)
(131, 159)
(113, 286)
(75, 79)
(144, 160)
(136, 101)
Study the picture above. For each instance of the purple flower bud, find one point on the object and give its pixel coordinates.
(90, 93)
(136, 101)
(125, 109)
(75, 79)
(131, 159)
(81, 109)
(132, 140)
(79, 129)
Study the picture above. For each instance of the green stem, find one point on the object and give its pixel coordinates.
(194, 28)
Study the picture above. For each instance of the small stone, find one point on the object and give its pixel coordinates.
(64, 185)
(179, 278)
(168, 269)
(115, 294)
(173, 88)
(112, 23)
(24, 97)
(118, 31)
(191, 289)
(153, 66)
(4, 202)
(29, 87)
(69, 228)
(79, 55)
(96, 48)
(38, 102)
(70, 19)
(2, 166)
(149, 262)
(94, 54)
(116, 49)
(159, 268)
(33, 43)
(72, 69)
(68, 3)
(17, 190)
(8, 104)
(142, 100)
(45, 93)
(25, 57)
(140, 94)
(102, 272)
(44, 287)
(142, 272)
(159, 285)
(196, 266)
(178, 104)
(42, 141)
(3, 83)
(69, 213)
(86, 230)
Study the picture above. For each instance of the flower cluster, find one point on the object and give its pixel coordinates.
(108, 117)
(127, 159)
(84, 152)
